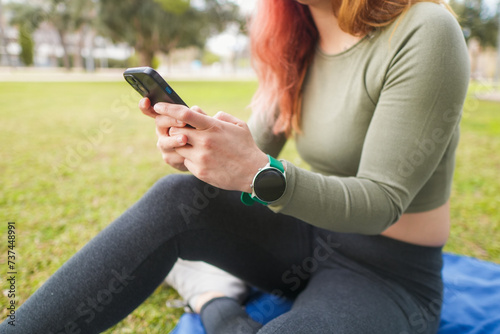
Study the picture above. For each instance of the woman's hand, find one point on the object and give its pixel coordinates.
(163, 126)
(219, 150)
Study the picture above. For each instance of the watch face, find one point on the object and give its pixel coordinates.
(270, 185)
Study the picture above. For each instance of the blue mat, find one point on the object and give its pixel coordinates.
(471, 300)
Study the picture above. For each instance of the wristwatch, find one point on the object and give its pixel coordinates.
(268, 185)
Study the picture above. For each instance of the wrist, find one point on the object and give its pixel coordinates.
(259, 162)
(268, 184)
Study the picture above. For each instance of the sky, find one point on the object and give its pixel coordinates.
(246, 5)
(228, 42)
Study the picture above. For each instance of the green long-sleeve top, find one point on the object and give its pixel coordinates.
(380, 126)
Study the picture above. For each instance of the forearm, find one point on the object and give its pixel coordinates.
(342, 204)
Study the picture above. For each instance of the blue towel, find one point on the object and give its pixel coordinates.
(471, 296)
(471, 300)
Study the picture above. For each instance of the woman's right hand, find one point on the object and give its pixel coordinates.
(169, 143)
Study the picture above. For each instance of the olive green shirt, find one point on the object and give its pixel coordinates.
(380, 126)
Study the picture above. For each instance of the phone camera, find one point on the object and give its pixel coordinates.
(138, 86)
(131, 80)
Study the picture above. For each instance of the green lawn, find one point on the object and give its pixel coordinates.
(74, 156)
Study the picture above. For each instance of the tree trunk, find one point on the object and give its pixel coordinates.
(66, 63)
(145, 57)
(77, 57)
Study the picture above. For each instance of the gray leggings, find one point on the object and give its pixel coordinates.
(341, 283)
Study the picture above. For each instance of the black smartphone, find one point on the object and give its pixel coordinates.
(150, 84)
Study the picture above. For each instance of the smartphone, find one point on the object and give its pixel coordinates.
(150, 84)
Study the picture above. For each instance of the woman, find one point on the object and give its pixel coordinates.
(373, 93)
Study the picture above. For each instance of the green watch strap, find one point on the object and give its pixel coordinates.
(276, 163)
(247, 198)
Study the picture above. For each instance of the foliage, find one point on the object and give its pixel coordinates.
(27, 45)
(24, 14)
(209, 58)
(27, 18)
(64, 15)
(176, 7)
(476, 21)
(151, 26)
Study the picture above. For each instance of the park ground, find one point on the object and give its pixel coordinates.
(75, 155)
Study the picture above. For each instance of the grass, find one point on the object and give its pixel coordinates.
(75, 155)
(476, 188)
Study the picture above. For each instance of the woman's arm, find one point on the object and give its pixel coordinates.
(420, 106)
(262, 132)
(416, 116)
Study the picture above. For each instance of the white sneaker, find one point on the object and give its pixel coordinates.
(193, 278)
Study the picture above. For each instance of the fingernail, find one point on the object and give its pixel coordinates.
(179, 122)
(180, 140)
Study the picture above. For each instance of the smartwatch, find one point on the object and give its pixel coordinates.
(268, 185)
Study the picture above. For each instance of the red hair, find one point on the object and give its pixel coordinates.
(283, 39)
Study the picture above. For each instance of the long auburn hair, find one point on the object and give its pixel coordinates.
(283, 38)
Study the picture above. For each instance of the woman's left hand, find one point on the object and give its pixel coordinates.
(221, 149)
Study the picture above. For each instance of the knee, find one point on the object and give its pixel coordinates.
(172, 189)
(173, 183)
(182, 191)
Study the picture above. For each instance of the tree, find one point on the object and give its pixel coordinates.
(83, 20)
(151, 26)
(477, 21)
(27, 45)
(66, 16)
(26, 18)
